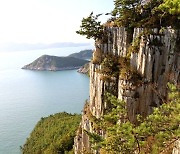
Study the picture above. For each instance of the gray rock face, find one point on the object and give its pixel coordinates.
(157, 65)
(54, 63)
(84, 69)
(157, 62)
(176, 149)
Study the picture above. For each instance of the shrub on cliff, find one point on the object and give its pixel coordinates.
(153, 134)
(110, 66)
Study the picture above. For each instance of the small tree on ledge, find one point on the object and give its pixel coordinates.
(91, 27)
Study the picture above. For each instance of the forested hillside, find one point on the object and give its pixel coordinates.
(53, 134)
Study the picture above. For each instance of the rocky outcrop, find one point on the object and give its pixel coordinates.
(157, 61)
(54, 63)
(84, 69)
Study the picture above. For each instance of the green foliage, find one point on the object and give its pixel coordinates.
(126, 72)
(134, 47)
(53, 134)
(126, 12)
(134, 13)
(171, 7)
(113, 67)
(155, 13)
(97, 56)
(110, 66)
(91, 27)
(94, 137)
(163, 124)
(153, 134)
(151, 16)
(93, 119)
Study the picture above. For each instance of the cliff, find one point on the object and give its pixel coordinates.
(154, 59)
(54, 63)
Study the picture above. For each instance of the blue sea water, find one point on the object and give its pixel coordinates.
(26, 96)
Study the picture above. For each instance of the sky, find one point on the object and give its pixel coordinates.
(46, 21)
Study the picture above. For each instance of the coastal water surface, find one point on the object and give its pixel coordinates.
(26, 96)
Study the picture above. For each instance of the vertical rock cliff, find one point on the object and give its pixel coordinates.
(156, 60)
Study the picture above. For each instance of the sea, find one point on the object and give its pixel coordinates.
(26, 96)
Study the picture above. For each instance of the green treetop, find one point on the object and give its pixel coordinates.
(171, 7)
(91, 27)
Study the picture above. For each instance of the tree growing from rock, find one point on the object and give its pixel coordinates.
(91, 27)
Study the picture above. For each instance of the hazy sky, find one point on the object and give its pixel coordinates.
(46, 21)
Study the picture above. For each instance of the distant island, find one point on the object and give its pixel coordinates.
(54, 63)
(84, 54)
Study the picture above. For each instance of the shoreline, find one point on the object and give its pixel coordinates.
(55, 69)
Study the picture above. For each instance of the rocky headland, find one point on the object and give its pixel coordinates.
(54, 63)
(84, 69)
